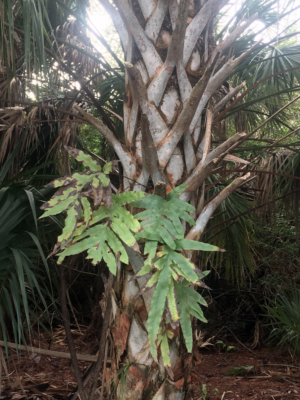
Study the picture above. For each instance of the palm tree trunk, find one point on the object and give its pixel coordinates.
(173, 71)
(133, 372)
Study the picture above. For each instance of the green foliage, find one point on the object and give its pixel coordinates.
(278, 246)
(173, 272)
(156, 226)
(82, 230)
(163, 342)
(112, 91)
(100, 229)
(22, 261)
(270, 95)
(236, 236)
(266, 98)
(119, 382)
(188, 300)
(24, 271)
(285, 316)
(90, 138)
(224, 346)
(204, 391)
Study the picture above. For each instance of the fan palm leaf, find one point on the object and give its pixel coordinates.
(24, 271)
(237, 237)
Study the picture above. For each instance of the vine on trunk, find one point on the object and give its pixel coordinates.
(97, 222)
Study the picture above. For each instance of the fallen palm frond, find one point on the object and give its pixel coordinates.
(45, 352)
(200, 339)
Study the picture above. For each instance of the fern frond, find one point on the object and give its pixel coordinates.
(173, 272)
(82, 230)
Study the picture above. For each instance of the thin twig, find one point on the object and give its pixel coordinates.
(85, 379)
(64, 311)
(103, 371)
(72, 309)
(102, 344)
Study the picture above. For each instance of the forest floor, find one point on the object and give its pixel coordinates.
(270, 374)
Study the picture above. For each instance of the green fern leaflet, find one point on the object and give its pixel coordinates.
(95, 218)
(173, 272)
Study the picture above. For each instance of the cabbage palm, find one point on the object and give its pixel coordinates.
(184, 71)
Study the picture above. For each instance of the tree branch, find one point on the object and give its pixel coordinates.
(230, 39)
(218, 119)
(197, 132)
(196, 232)
(147, 7)
(167, 146)
(173, 11)
(203, 170)
(149, 153)
(222, 103)
(155, 21)
(184, 83)
(216, 81)
(157, 126)
(174, 55)
(113, 141)
(150, 56)
(196, 27)
(141, 183)
(102, 343)
(207, 136)
(117, 20)
(49, 353)
(189, 153)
